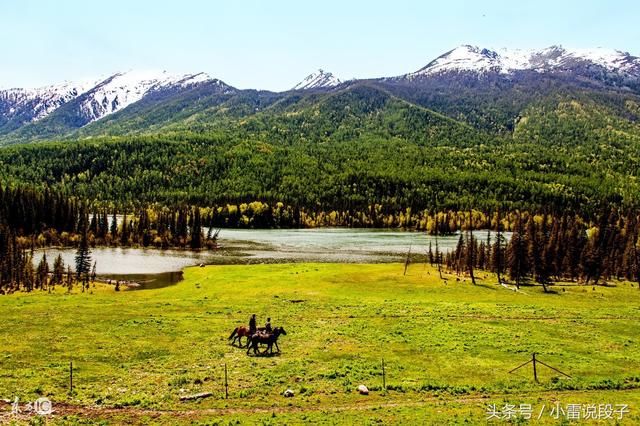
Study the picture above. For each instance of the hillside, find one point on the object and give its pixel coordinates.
(482, 87)
(352, 148)
(562, 137)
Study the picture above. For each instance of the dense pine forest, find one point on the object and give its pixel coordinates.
(544, 249)
(546, 146)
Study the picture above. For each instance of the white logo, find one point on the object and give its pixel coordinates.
(42, 406)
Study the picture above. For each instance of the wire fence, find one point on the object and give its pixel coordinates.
(90, 379)
(69, 378)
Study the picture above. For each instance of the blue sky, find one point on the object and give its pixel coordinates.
(274, 44)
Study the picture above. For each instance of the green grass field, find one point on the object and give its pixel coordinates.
(447, 347)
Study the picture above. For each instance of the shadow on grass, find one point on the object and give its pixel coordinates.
(487, 286)
(264, 355)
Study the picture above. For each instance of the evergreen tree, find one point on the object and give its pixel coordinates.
(536, 242)
(497, 254)
(69, 281)
(438, 254)
(482, 256)
(114, 227)
(42, 273)
(516, 254)
(470, 254)
(93, 225)
(459, 253)
(93, 272)
(83, 254)
(181, 227)
(58, 271)
(196, 230)
(124, 234)
(28, 277)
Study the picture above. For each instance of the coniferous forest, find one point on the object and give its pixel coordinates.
(542, 248)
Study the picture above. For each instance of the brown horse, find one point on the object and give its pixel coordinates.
(240, 332)
(268, 339)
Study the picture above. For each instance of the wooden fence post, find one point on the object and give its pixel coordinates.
(226, 383)
(535, 361)
(70, 377)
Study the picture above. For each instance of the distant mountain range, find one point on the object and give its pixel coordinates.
(552, 59)
(459, 84)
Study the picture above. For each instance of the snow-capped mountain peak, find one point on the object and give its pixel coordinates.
(316, 80)
(93, 99)
(41, 101)
(123, 89)
(473, 58)
(468, 58)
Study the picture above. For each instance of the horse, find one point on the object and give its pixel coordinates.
(268, 339)
(240, 332)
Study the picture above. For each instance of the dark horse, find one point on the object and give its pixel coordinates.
(243, 331)
(268, 339)
(240, 332)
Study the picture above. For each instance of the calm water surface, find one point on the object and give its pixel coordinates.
(152, 268)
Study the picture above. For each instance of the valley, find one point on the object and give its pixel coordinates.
(420, 234)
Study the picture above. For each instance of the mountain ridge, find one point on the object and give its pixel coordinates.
(477, 86)
(474, 58)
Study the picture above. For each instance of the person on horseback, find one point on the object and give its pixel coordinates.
(267, 326)
(252, 325)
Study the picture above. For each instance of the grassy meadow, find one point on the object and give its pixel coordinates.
(447, 346)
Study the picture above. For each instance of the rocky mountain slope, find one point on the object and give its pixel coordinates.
(483, 88)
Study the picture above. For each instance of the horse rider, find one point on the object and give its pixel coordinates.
(267, 326)
(252, 325)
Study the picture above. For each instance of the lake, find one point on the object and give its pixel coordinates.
(153, 268)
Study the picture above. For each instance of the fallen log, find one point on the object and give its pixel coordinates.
(196, 396)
